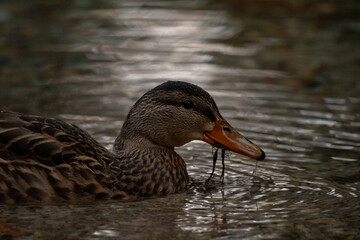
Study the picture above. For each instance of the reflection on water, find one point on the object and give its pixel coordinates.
(89, 64)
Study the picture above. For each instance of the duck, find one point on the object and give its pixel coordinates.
(48, 160)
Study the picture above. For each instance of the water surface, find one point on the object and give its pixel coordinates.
(290, 84)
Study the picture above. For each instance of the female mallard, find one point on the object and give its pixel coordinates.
(48, 160)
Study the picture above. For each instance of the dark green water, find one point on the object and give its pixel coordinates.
(289, 83)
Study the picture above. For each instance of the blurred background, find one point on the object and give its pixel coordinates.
(283, 72)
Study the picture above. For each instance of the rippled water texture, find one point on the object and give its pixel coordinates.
(291, 84)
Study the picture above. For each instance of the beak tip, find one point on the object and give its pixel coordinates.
(262, 156)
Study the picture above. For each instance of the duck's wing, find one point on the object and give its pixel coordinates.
(45, 158)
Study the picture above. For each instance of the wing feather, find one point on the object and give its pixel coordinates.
(45, 158)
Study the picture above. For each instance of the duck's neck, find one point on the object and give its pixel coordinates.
(148, 171)
(144, 166)
(125, 143)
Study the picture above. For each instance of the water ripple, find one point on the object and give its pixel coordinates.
(265, 75)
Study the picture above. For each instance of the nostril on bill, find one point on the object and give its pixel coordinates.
(227, 129)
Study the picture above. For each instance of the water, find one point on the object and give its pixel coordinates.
(290, 84)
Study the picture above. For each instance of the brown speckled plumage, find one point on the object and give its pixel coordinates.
(48, 160)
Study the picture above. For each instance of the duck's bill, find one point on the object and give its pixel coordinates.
(226, 137)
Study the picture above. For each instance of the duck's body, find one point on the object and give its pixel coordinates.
(48, 160)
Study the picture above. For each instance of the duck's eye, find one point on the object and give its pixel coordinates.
(188, 104)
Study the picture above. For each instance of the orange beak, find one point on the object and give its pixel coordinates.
(226, 137)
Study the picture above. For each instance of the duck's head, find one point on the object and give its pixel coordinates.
(175, 113)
